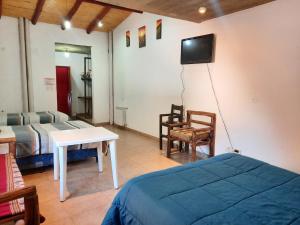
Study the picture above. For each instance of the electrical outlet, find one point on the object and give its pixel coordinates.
(237, 151)
(233, 150)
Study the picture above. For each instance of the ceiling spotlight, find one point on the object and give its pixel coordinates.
(67, 24)
(100, 24)
(202, 10)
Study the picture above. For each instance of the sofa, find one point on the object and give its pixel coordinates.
(18, 203)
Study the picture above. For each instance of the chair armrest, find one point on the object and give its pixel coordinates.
(179, 124)
(18, 193)
(31, 213)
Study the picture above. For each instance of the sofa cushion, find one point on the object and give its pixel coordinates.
(10, 179)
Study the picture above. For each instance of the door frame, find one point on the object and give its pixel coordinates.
(69, 91)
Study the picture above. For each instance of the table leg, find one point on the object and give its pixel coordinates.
(113, 158)
(100, 157)
(55, 161)
(63, 173)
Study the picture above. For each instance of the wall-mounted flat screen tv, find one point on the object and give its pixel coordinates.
(197, 49)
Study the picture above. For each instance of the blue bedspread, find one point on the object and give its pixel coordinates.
(227, 189)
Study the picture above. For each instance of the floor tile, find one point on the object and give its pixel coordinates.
(91, 192)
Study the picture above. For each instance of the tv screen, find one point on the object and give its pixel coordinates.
(197, 49)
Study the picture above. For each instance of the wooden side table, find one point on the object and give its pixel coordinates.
(7, 137)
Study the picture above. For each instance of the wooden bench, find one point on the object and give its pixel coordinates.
(17, 202)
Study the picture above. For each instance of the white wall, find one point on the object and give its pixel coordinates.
(43, 37)
(256, 75)
(76, 63)
(10, 69)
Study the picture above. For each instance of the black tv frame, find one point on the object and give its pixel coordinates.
(209, 60)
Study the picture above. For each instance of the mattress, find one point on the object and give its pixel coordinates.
(14, 119)
(33, 139)
(227, 189)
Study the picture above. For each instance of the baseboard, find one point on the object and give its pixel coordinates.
(136, 131)
(101, 124)
(120, 127)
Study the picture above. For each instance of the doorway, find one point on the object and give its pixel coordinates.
(78, 59)
(63, 89)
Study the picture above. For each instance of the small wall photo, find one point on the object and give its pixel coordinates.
(142, 37)
(128, 38)
(158, 29)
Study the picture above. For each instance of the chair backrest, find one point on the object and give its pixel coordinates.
(177, 110)
(211, 116)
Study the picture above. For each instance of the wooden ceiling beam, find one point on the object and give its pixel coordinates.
(98, 18)
(72, 12)
(112, 6)
(37, 11)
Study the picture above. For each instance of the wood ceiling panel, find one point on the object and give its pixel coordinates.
(54, 12)
(27, 4)
(114, 18)
(85, 15)
(17, 8)
(188, 9)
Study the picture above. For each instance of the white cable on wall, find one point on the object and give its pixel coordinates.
(182, 82)
(219, 108)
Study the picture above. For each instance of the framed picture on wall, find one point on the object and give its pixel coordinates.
(128, 38)
(158, 29)
(142, 36)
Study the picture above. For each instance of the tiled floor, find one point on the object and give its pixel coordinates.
(91, 192)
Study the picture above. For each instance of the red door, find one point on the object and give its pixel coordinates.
(63, 88)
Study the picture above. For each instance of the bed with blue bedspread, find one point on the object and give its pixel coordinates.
(228, 189)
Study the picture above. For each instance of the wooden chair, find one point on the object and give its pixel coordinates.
(30, 215)
(185, 132)
(175, 116)
(26, 212)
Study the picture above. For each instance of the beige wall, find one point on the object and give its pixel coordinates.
(10, 67)
(256, 75)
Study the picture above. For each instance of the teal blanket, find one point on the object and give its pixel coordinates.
(228, 189)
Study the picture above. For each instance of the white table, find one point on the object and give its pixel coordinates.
(60, 140)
